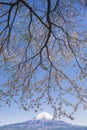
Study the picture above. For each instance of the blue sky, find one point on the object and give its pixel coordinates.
(15, 115)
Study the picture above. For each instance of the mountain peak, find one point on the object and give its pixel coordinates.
(44, 115)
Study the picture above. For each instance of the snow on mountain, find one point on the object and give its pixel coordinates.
(43, 121)
(44, 115)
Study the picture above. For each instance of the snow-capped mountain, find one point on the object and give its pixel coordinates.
(43, 121)
(44, 115)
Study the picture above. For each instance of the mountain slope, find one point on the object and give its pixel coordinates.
(43, 122)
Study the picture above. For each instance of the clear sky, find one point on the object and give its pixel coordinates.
(16, 115)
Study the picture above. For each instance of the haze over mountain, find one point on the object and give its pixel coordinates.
(44, 121)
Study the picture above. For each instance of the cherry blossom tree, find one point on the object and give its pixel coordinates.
(43, 54)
